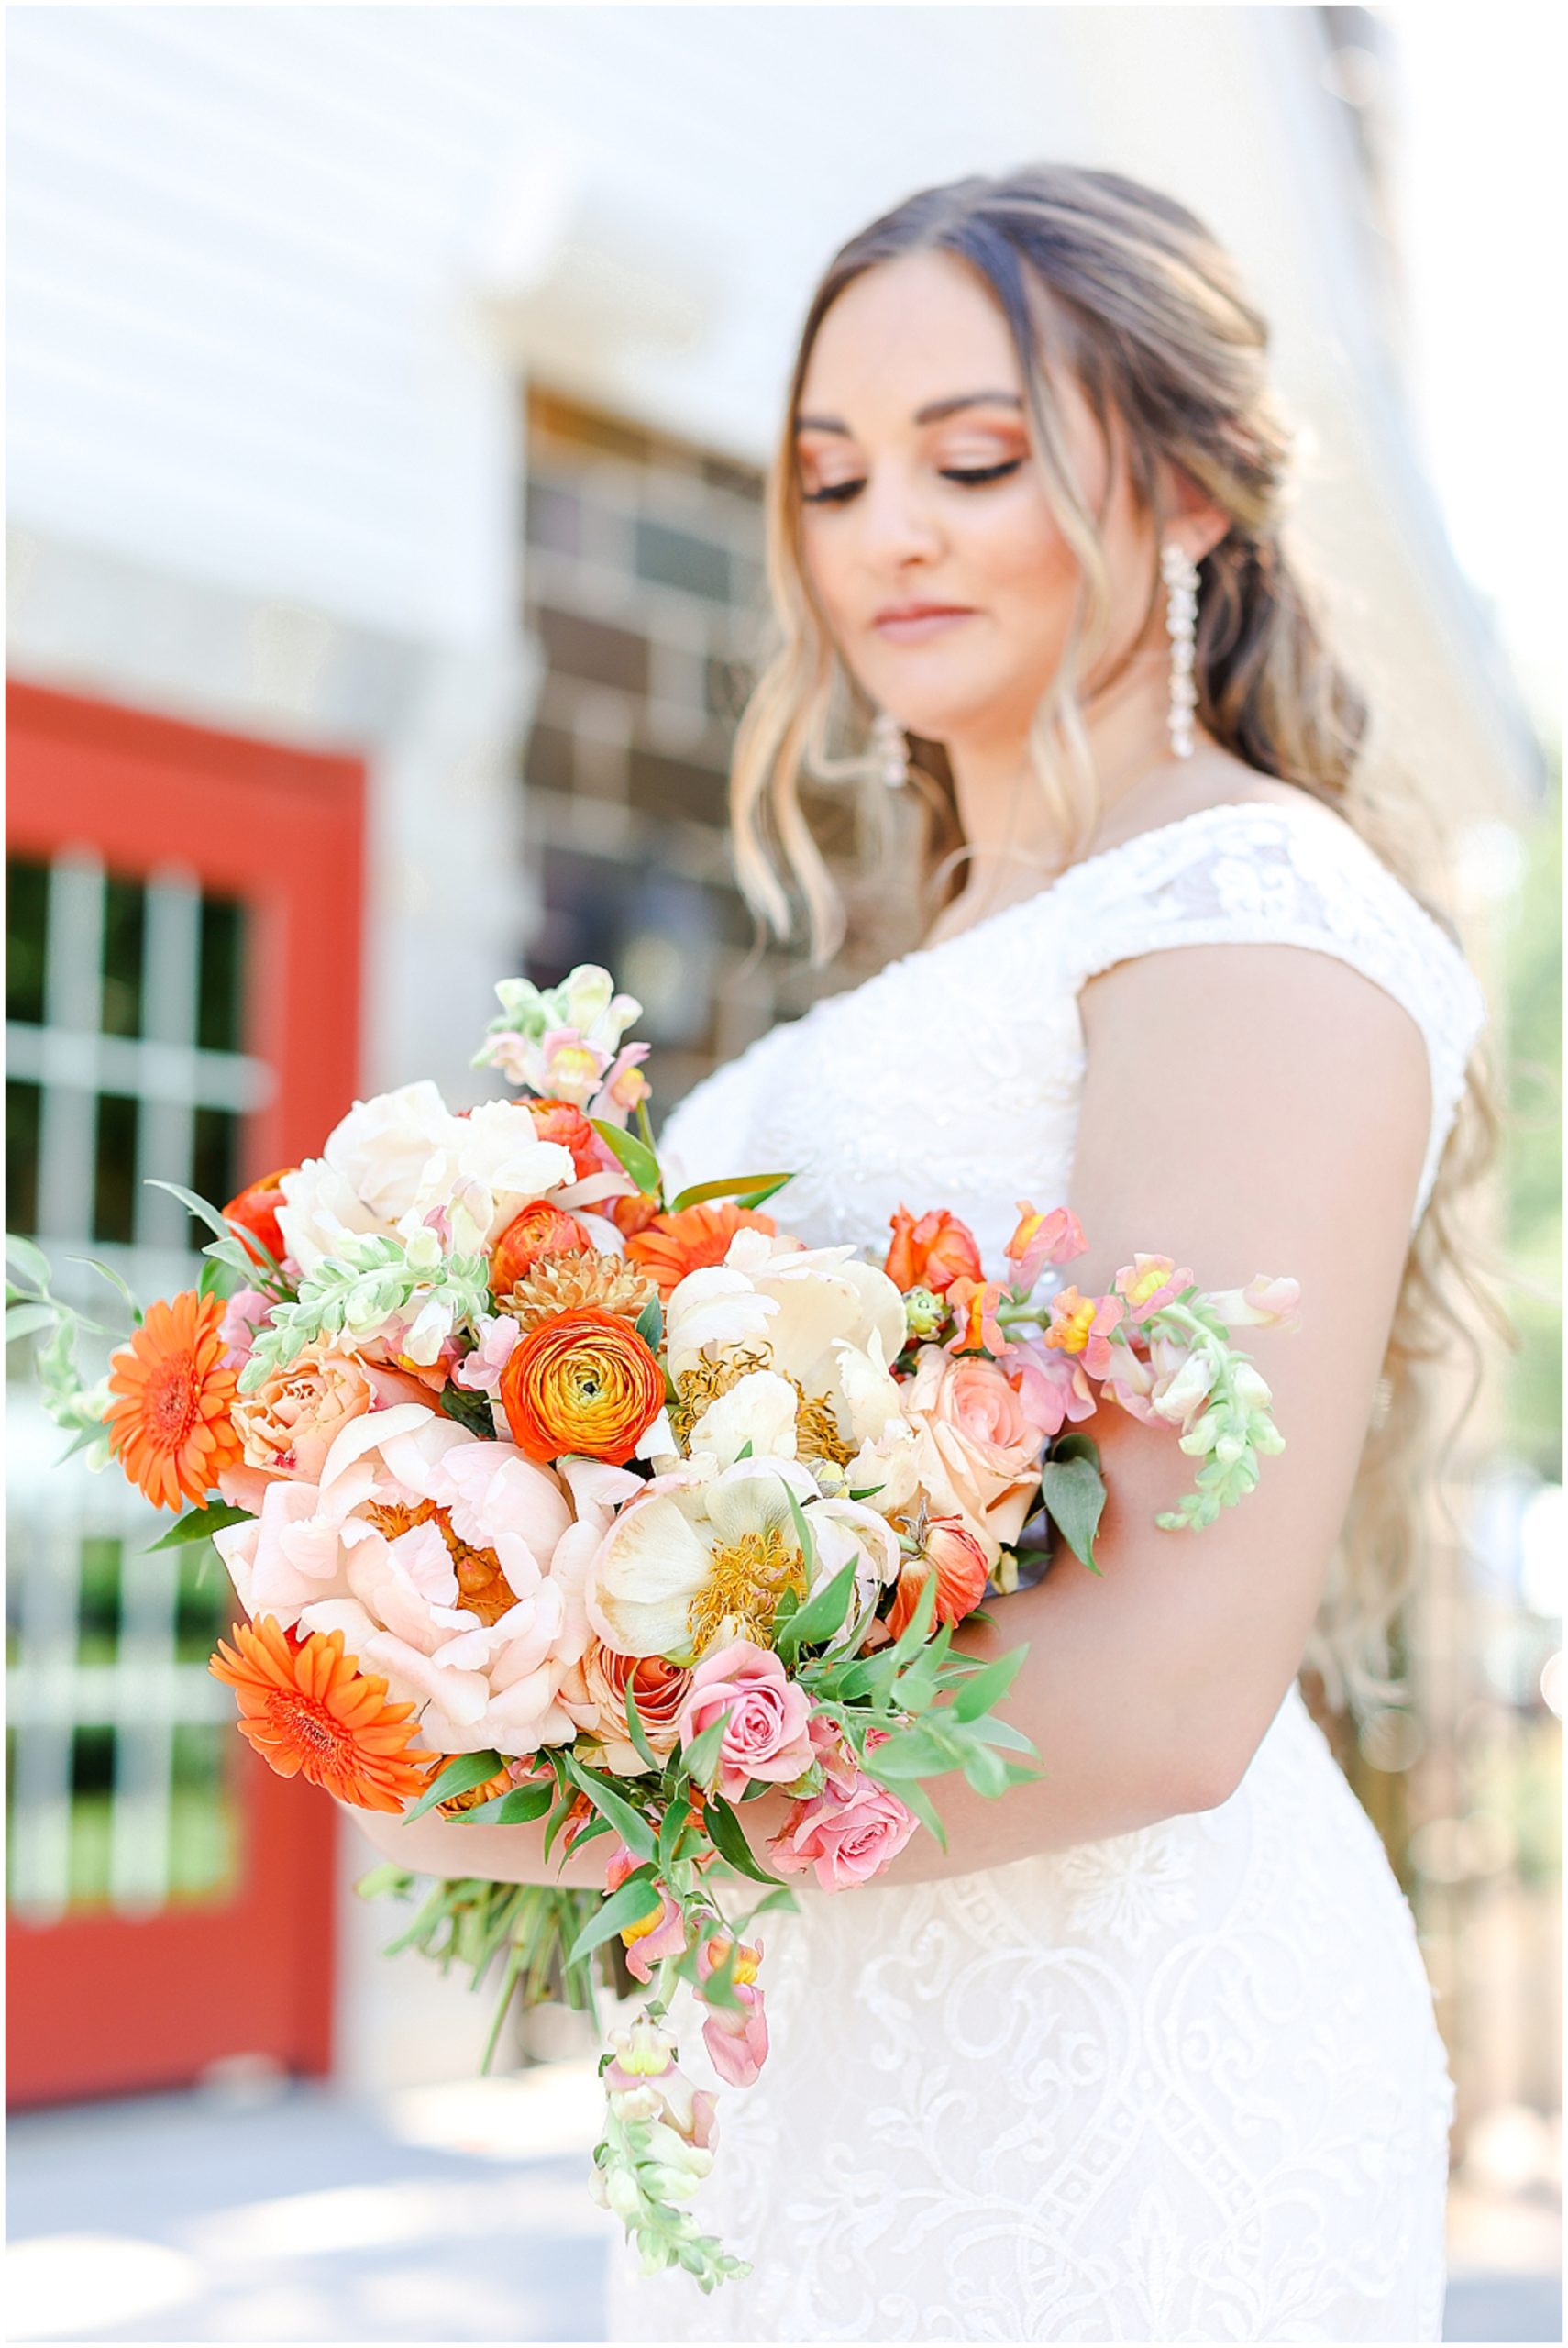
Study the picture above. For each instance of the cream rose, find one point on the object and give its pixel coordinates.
(972, 1432)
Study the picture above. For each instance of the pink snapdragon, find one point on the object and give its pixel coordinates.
(1148, 1284)
(766, 1717)
(623, 1087)
(1082, 1325)
(1041, 1239)
(480, 1371)
(1051, 1386)
(735, 2036)
(975, 1305)
(1262, 1303)
(243, 1315)
(659, 1932)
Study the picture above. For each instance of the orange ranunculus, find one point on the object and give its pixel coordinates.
(169, 1423)
(540, 1230)
(931, 1253)
(255, 1209)
(633, 1212)
(956, 1558)
(582, 1382)
(674, 1245)
(559, 1121)
(309, 1711)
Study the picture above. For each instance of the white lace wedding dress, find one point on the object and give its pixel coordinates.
(1184, 2084)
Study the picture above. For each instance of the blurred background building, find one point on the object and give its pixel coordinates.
(390, 390)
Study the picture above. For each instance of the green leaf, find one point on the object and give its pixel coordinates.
(108, 1272)
(626, 1906)
(911, 1753)
(204, 1211)
(24, 1320)
(635, 1730)
(698, 1193)
(29, 1259)
(701, 1755)
(915, 1797)
(823, 1615)
(518, 1806)
(985, 1771)
(730, 1842)
(460, 1776)
(629, 1824)
(988, 1687)
(677, 1813)
(388, 1876)
(636, 1155)
(1074, 1491)
(649, 1324)
(1075, 1444)
(470, 1411)
(754, 1199)
(199, 1525)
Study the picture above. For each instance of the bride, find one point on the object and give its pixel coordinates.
(1149, 2053)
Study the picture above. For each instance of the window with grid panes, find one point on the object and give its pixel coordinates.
(124, 1031)
(644, 593)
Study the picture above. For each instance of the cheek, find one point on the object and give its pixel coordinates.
(1018, 550)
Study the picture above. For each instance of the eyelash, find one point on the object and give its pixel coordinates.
(840, 492)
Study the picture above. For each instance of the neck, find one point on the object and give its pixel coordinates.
(1014, 845)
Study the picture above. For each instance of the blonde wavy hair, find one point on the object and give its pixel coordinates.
(1119, 286)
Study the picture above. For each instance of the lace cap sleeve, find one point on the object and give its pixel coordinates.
(1262, 874)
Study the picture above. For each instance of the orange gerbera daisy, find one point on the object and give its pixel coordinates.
(674, 1245)
(168, 1423)
(311, 1712)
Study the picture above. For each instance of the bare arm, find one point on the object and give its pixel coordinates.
(1246, 1109)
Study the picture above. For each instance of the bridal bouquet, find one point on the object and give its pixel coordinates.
(549, 1499)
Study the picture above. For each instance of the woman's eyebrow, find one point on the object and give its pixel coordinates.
(932, 413)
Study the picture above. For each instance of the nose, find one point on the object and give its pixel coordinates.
(898, 524)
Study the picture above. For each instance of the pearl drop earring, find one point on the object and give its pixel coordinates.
(1180, 575)
(890, 749)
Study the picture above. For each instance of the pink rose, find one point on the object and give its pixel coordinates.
(847, 1834)
(767, 1718)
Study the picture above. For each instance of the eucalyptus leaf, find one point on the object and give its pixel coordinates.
(26, 1319)
(27, 1258)
(1074, 1490)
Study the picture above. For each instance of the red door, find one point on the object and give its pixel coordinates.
(183, 999)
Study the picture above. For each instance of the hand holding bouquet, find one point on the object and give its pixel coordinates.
(549, 1500)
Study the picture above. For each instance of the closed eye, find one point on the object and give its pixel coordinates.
(839, 492)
